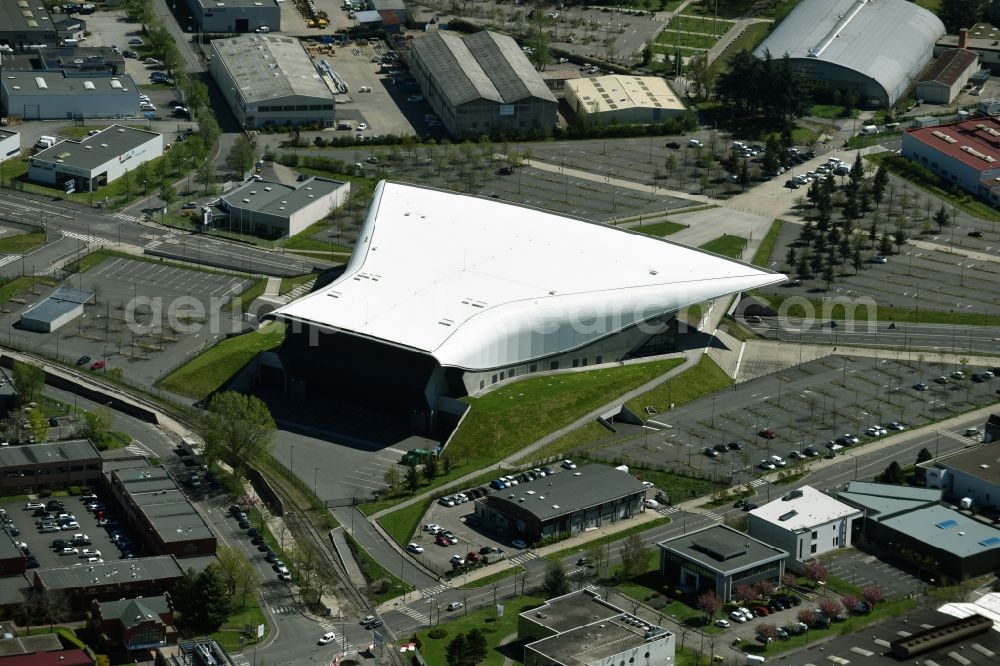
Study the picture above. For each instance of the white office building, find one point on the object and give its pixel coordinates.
(805, 523)
(94, 161)
(51, 95)
(10, 144)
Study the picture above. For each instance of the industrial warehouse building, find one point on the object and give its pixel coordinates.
(972, 473)
(56, 465)
(946, 77)
(582, 629)
(61, 307)
(109, 581)
(272, 210)
(982, 39)
(805, 523)
(94, 161)
(10, 144)
(618, 98)
(270, 80)
(875, 48)
(235, 15)
(493, 295)
(25, 25)
(481, 83)
(53, 95)
(569, 502)
(719, 559)
(965, 153)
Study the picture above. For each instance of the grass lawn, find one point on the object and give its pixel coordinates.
(21, 243)
(496, 629)
(672, 38)
(209, 371)
(701, 24)
(664, 228)
(727, 246)
(246, 299)
(704, 378)
(865, 140)
(486, 581)
(609, 538)
(402, 523)
(229, 633)
(12, 288)
(587, 434)
(503, 421)
(804, 136)
(748, 40)
(287, 284)
(822, 311)
(677, 486)
(304, 240)
(827, 111)
(930, 183)
(374, 571)
(762, 257)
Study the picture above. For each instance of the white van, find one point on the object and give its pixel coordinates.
(869, 129)
(45, 142)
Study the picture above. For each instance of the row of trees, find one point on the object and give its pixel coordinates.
(762, 88)
(467, 649)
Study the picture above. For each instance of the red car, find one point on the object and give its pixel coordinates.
(473, 556)
(767, 433)
(442, 540)
(97, 365)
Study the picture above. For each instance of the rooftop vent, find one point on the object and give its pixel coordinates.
(88, 85)
(40, 82)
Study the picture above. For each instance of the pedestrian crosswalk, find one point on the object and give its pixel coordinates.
(433, 591)
(757, 483)
(954, 435)
(415, 614)
(87, 238)
(713, 515)
(139, 449)
(126, 217)
(288, 609)
(522, 558)
(666, 511)
(8, 259)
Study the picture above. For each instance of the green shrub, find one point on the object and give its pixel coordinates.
(438, 632)
(75, 490)
(45, 493)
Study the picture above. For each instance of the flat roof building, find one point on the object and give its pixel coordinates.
(621, 99)
(874, 49)
(567, 502)
(235, 15)
(719, 559)
(160, 512)
(274, 210)
(972, 473)
(966, 153)
(494, 295)
(34, 467)
(94, 161)
(107, 581)
(270, 80)
(24, 26)
(481, 83)
(53, 95)
(581, 629)
(805, 523)
(60, 307)
(10, 144)
(945, 78)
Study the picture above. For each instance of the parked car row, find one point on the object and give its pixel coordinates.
(526, 476)
(257, 539)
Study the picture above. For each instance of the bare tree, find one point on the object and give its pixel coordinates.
(829, 607)
(744, 593)
(816, 572)
(873, 594)
(710, 604)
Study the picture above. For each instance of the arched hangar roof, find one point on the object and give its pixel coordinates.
(885, 40)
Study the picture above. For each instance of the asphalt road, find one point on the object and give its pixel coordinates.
(914, 337)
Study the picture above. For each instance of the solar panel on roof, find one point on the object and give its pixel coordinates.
(946, 524)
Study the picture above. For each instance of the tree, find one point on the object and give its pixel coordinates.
(391, 478)
(816, 571)
(789, 580)
(941, 218)
(710, 604)
(856, 260)
(790, 257)
(885, 244)
(241, 156)
(899, 237)
(238, 429)
(701, 75)
(829, 607)
(872, 595)
(744, 594)
(39, 425)
(555, 583)
(28, 379)
(958, 14)
(168, 194)
(538, 42)
(880, 182)
(97, 425)
(828, 274)
(634, 556)
(768, 631)
(595, 553)
(744, 175)
(412, 478)
(456, 652)
(475, 646)
(201, 599)
(857, 173)
(806, 617)
(893, 474)
(430, 467)
(764, 588)
(850, 602)
(205, 174)
(922, 456)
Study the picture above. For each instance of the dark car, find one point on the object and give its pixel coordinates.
(53, 505)
(976, 234)
(673, 145)
(245, 524)
(767, 433)
(506, 170)
(271, 556)
(792, 184)
(38, 513)
(235, 510)
(749, 506)
(740, 503)
(83, 360)
(253, 532)
(735, 446)
(486, 550)
(61, 543)
(721, 448)
(53, 422)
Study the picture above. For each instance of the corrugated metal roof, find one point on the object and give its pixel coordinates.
(485, 65)
(881, 39)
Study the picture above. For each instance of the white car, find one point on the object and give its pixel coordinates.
(71, 525)
(90, 552)
(568, 464)
(694, 143)
(766, 464)
(432, 528)
(283, 570)
(737, 616)
(652, 504)
(327, 638)
(778, 461)
(722, 623)
(458, 560)
(455, 605)
(746, 612)
(896, 425)
(362, 126)
(34, 505)
(69, 551)
(848, 437)
(415, 548)
(263, 28)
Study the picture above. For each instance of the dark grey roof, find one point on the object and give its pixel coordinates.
(485, 65)
(31, 19)
(117, 464)
(981, 462)
(948, 530)
(723, 549)
(385, 5)
(278, 199)
(166, 508)
(6, 134)
(569, 491)
(93, 151)
(572, 610)
(60, 302)
(110, 573)
(596, 643)
(882, 500)
(29, 644)
(54, 452)
(7, 547)
(131, 612)
(883, 40)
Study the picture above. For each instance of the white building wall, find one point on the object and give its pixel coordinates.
(130, 160)
(654, 653)
(318, 209)
(945, 166)
(961, 484)
(831, 535)
(10, 146)
(32, 106)
(216, 17)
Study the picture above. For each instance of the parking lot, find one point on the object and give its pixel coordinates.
(40, 543)
(148, 318)
(863, 569)
(806, 406)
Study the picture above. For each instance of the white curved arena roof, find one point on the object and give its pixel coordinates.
(481, 284)
(884, 40)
